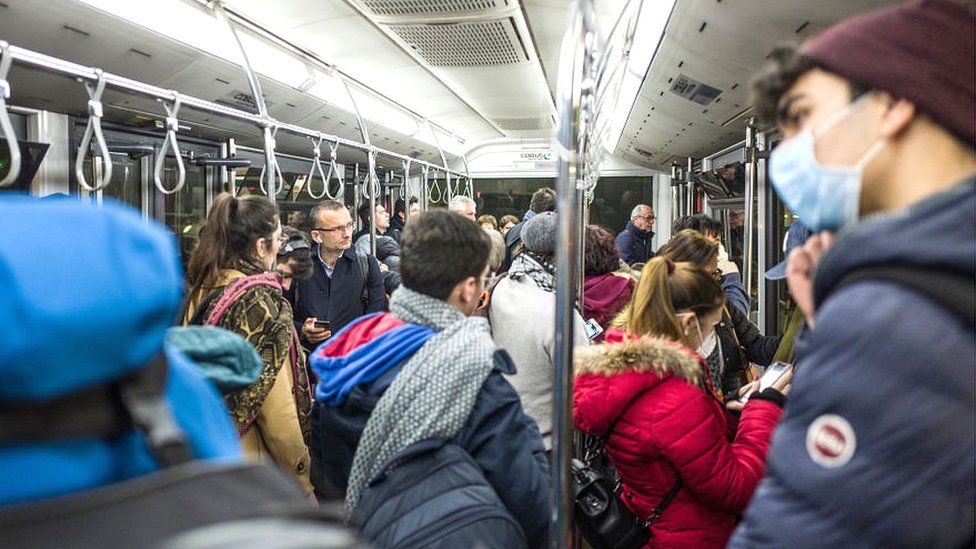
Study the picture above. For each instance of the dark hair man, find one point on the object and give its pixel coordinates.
(634, 242)
(876, 445)
(384, 226)
(428, 368)
(344, 284)
(399, 219)
(543, 200)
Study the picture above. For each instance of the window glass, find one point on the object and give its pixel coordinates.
(186, 210)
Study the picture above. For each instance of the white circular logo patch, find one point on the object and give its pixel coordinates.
(831, 441)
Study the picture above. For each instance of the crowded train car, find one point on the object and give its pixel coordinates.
(608, 274)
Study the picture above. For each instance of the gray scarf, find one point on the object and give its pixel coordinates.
(434, 393)
(528, 264)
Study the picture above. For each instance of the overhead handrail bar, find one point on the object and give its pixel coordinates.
(270, 144)
(94, 126)
(172, 126)
(54, 65)
(5, 123)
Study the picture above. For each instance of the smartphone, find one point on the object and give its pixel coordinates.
(772, 374)
(322, 324)
(593, 329)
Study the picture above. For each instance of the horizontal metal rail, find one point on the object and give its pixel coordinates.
(30, 58)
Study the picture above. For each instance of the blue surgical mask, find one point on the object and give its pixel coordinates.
(824, 198)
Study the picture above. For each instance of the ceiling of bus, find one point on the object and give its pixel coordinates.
(419, 54)
(720, 43)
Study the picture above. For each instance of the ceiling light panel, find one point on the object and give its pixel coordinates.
(475, 44)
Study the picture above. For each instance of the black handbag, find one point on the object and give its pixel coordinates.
(604, 520)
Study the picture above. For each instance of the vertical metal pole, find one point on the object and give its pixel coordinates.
(357, 198)
(750, 207)
(269, 163)
(374, 186)
(406, 192)
(577, 54)
(762, 225)
(690, 181)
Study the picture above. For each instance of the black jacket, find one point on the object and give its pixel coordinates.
(338, 299)
(512, 240)
(756, 347)
(634, 244)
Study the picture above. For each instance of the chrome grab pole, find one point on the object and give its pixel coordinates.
(578, 60)
(752, 159)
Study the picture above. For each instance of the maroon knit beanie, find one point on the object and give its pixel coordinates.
(922, 51)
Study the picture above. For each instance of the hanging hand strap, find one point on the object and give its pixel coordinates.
(172, 126)
(5, 123)
(317, 165)
(94, 126)
(271, 144)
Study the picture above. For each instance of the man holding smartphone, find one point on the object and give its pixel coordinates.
(344, 284)
(875, 448)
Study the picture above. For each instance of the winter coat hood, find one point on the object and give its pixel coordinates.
(637, 365)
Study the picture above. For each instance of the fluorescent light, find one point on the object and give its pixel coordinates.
(649, 31)
(380, 112)
(273, 62)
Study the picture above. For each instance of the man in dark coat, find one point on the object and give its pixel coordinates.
(634, 242)
(875, 448)
(344, 284)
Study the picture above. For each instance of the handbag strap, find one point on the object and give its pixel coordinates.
(656, 513)
(237, 289)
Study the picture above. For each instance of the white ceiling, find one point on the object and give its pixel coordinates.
(372, 46)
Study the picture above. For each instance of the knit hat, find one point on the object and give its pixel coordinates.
(539, 233)
(921, 51)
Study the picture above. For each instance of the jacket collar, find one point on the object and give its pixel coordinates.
(644, 354)
(638, 232)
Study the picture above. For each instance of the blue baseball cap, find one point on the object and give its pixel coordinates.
(797, 235)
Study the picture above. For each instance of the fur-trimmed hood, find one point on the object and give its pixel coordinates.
(610, 376)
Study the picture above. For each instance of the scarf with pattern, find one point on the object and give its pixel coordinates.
(539, 270)
(264, 319)
(433, 394)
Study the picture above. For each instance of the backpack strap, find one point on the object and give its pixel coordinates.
(952, 290)
(235, 290)
(137, 400)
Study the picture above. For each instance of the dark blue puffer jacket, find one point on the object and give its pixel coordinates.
(504, 442)
(634, 244)
(876, 446)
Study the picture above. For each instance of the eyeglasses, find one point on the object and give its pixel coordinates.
(340, 228)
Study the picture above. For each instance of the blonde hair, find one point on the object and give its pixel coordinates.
(666, 287)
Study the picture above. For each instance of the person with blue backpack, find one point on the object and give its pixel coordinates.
(414, 419)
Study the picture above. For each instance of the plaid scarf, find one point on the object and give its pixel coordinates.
(434, 393)
(539, 270)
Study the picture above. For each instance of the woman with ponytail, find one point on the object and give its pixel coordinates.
(647, 392)
(233, 286)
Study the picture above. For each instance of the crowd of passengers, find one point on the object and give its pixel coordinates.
(354, 349)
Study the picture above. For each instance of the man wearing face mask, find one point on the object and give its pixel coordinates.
(876, 445)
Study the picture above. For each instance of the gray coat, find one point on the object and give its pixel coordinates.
(522, 317)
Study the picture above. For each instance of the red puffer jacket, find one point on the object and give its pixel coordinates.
(666, 423)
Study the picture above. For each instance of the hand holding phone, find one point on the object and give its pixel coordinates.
(322, 324)
(777, 375)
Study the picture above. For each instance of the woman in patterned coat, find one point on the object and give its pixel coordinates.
(232, 285)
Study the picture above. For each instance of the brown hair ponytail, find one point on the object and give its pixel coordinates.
(231, 229)
(666, 287)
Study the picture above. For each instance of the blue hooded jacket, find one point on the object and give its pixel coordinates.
(634, 244)
(875, 448)
(87, 296)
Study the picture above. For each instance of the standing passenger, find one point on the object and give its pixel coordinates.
(506, 223)
(653, 400)
(522, 314)
(876, 448)
(543, 200)
(606, 287)
(238, 243)
(463, 206)
(344, 284)
(634, 242)
(429, 369)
